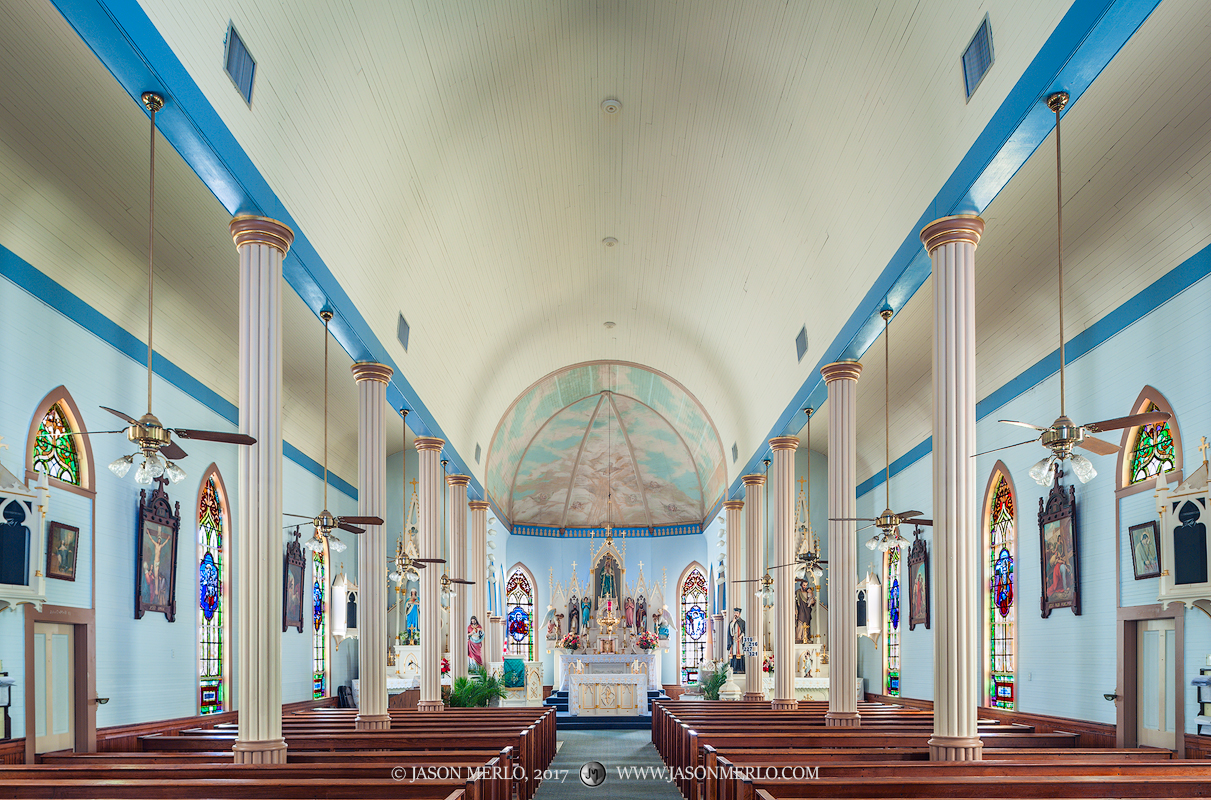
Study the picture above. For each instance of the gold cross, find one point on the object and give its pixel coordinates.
(573, 566)
(414, 486)
(801, 482)
(1202, 447)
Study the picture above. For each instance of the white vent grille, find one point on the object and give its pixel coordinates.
(401, 332)
(801, 342)
(977, 58)
(241, 67)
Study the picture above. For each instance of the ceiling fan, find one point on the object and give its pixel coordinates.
(889, 521)
(407, 568)
(447, 583)
(808, 557)
(325, 522)
(153, 439)
(1063, 435)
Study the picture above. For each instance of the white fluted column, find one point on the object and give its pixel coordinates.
(842, 380)
(456, 498)
(262, 244)
(754, 564)
(734, 520)
(479, 568)
(429, 491)
(372, 382)
(958, 667)
(783, 492)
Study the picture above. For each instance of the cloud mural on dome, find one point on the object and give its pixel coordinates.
(606, 432)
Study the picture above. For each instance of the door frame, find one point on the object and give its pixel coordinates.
(1126, 719)
(83, 622)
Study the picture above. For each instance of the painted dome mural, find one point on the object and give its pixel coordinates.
(606, 430)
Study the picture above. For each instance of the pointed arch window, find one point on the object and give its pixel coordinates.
(891, 648)
(693, 616)
(55, 450)
(319, 621)
(212, 596)
(519, 617)
(1152, 450)
(1000, 524)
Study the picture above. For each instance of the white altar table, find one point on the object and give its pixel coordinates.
(605, 694)
(607, 664)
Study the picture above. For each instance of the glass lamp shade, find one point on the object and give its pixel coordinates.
(1041, 472)
(395, 577)
(818, 571)
(873, 542)
(173, 472)
(335, 545)
(1083, 467)
(315, 543)
(144, 475)
(412, 574)
(122, 466)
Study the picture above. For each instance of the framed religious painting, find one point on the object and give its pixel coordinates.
(156, 556)
(62, 542)
(293, 585)
(1060, 548)
(918, 582)
(1145, 557)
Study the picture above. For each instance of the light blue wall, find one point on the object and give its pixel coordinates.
(147, 667)
(1065, 662)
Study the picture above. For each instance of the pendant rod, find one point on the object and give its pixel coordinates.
(154, 103)
(1056, 103)
(886, 314)
(327, 317)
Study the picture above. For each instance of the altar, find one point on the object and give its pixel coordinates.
(605, 694)
(607, 664)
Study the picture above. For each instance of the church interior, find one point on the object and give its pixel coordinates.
(699, 398)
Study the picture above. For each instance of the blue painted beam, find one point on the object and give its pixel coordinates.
(128, 44)
(1079, 48)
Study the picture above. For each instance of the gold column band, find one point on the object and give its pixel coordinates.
(961, 228)
(371, 371)
(784, 443)
(250, 229)
(478, 505)
(733, 505)
(458, 480)
(429, 443)
(841, 371)
(753, 480)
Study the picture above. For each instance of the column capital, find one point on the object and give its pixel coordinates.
(733, 505)
(458, 480)
(424, 443)
(753, 480)
(371, 371)
(841, 371)
(251, 229)
(784, 443)
(960, 228)
(478, 505)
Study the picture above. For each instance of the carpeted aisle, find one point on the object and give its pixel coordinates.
(630, 750)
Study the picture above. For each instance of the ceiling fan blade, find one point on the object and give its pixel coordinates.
(1022, 424)
(460, 580)
(417, 564)
(1006, 447)
(94, 433)
(350, 528)
(850, 519)
(363, 520)
(926, 522)
(1118, 423)
(120, 415)
(907, 514)
(215, 436)
(1099, 446)
(428, 561)
(173, 452)
(300, 516)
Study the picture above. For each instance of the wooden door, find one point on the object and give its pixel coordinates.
(54, 687)
(1155, 690)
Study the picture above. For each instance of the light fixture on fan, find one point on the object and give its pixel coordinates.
(154, 441)
(888, 523)
(809, 560)
(1063, 435)
(405, 567)
(325, 523)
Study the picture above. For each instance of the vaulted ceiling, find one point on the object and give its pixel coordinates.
(452, 162)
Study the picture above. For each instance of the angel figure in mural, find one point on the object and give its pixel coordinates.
(641, 614)
(629, 612)
(475, 642)
(574, 615)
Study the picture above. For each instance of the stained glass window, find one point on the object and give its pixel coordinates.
(319, 619)
(892, 637)
(1001, 609)
(55, 447)
(1152, 452)
(519, 621)
(212, 689)
(693, 625)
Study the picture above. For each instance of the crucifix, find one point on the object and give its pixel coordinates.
(1202, 448)
(801, 482)
(413, 481)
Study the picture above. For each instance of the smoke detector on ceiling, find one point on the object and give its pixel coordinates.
(611, 106)
(608, 325)
(609, 241)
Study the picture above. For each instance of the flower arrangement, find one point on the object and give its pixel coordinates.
(768, 664)
(646, 641)
(445, 666)
(570, 641)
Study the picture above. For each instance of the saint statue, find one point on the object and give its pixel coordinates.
(586, 610)
(735, 632)
(629, 612)
(607, 579)
(641, 614)
(412, 612)
(805, 601)
(552, 625)
(475, 642)
(573, 615)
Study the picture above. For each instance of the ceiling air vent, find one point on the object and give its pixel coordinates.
(241, 68)
(401, 332)
(735, 453)
(477, 452)
(801, 342)
(977, 58)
